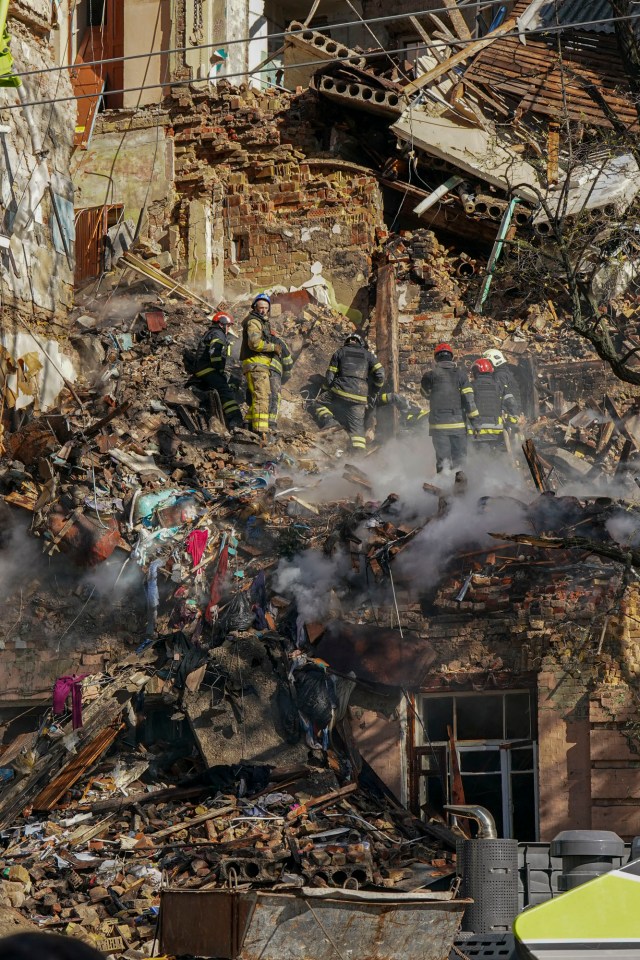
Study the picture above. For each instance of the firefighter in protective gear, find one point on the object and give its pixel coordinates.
(354, 378)
(279, 372)
(451, 403)
(256, 353)
(411, 414)
(488, 426)
(507, 386)
(211, 360)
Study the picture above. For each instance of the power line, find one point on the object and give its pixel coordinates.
(228, 43)
(310, 63)
(331, 26)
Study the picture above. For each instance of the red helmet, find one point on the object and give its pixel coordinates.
(442, 348)
(222, 318)
(482, 366)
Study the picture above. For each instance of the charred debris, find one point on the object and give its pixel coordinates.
(218, 619)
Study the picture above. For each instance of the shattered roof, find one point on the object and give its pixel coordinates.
(533, 74)
(583, 12)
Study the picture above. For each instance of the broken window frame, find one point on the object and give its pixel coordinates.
(437, 754)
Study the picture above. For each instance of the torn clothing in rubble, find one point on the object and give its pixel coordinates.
(63, 687)
(215, 592)
(322, 698)
(191, 656)
(196, 545)
(153, 595)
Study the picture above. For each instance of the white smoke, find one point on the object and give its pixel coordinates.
(310, 580)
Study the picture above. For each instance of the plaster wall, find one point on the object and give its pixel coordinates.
(131, 167)
(36, 275)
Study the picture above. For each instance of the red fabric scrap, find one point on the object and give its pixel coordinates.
(196, 544)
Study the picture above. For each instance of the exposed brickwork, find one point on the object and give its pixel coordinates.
(283, 210)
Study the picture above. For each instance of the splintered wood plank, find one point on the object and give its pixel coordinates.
(82, 761)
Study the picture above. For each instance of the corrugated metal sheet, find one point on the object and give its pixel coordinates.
(261, 925)
(581, 11)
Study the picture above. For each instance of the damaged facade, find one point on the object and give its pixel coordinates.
(289, 664)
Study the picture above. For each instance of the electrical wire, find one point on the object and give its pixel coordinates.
(312, 63)
(335, 26)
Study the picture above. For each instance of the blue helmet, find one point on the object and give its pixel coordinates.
(261, 296)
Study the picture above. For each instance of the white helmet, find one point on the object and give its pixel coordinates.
(497, 358)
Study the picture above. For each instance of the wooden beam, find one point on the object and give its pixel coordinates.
(535, 466)
(457, 20)
(387, 325)
(460, 56)
(312, 12)
(80, 763)
(387, 347)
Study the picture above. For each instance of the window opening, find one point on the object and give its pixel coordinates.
(497, 754)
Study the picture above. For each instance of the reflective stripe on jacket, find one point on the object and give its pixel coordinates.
(487, 396)
(257, 341)
(352, 372)
(283, 364)
(213, 350)
(509, 392)
(451, 399)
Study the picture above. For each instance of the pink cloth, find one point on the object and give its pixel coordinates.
(216, 584)
(62, 688)
(196, 544)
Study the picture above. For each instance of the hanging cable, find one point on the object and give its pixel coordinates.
(335, 26)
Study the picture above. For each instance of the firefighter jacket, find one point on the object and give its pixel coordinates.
(509, 392)
(282, 365)
(489, 422)
(353, 372)
(257, 342)
(213, 350)
(450, 397)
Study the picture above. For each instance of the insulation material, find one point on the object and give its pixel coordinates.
(28, 373)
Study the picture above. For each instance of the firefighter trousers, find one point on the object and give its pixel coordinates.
(332, 410)
(275, 388)
(259, 388)
(219, 383)
(450, 448)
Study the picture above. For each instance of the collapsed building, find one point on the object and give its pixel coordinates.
(256, 633)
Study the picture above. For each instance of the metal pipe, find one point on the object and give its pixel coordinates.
(495, 253)
(481, 815)
(465, 269)
(437, 194)
(465, 192)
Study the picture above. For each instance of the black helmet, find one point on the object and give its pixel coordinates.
(355, 338)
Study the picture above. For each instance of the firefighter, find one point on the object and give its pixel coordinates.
(507, 385)
(488, 426)
(451, 402)
(256, 353)
(411, 414)
(354, 379)
(209, 370)
(279, 372)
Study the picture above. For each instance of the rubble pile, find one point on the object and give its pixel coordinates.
(89, 842)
